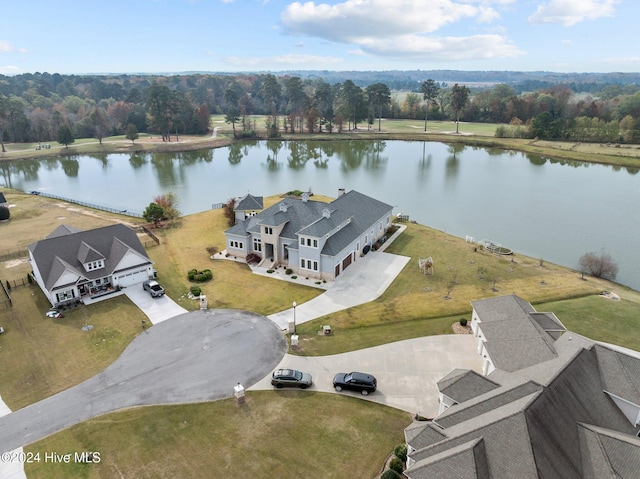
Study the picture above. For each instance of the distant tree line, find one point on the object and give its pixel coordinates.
(44, 107)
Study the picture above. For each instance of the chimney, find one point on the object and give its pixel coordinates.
(340, 192)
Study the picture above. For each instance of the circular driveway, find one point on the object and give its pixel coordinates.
(194, 357)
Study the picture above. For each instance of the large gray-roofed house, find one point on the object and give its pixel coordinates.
(71, 264)
(313, 238)
(511, 334)
(572, 416)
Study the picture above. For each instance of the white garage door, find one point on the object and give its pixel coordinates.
(135, 277)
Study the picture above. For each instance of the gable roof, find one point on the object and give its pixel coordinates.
(249, 202)
(517, 336)
(464, 384)
(353, 212)
(64, 250)
(567, 427)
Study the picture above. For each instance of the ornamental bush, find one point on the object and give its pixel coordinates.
(463, 322)
(195, 290)
(390, 474)
(201, 276)
(401, 452)
(396, 465)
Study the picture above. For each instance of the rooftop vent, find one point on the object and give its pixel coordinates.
(283, 207)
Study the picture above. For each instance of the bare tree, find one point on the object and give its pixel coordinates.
(598, 265)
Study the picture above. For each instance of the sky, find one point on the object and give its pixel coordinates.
(172, 36)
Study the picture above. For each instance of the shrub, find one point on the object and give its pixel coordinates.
(401, 452)
(195, 290)
(212, 250)
(289, 271)
(390, 474)
(294, 277)
(253, 258)
(204, 275)
(463, 322)
(269, 271)
(396, 465)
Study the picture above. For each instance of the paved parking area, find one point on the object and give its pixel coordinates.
(407, 371)
(156, 309)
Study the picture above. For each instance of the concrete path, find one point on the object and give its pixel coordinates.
(407, 371)
(363, 281)
(195, 357)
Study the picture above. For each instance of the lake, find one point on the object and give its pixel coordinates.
(543, 208)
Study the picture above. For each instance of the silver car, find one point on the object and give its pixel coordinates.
(154, 288)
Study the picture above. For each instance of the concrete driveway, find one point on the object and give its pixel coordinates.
(407, 371)
(156, 309)
(363, 281)
(195, 357)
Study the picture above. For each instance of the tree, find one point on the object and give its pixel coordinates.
(132, 133)
(153, 213)
(271, 91)
(229, 211)
(160, 109)
(232, 115)
(3, 119)
(169, 204)
(65, 135)
(430, 92)
(98, 124)
(599, 265)
(459, 99)
(379, 95)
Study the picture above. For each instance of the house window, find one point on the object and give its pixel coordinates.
(308, 264)
(268, 230)
(315, 243)
(257, 244)
(236, 244)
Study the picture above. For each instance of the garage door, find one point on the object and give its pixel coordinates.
(346, 262)
(134, 277)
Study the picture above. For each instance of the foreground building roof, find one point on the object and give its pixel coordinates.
(573, 413)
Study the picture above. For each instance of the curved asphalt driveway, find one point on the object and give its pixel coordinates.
(194, 357)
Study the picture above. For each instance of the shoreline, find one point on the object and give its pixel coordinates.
(564, 151)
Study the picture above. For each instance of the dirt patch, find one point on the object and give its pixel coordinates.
(459, 329)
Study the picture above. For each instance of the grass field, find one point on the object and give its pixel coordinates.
(273, 435)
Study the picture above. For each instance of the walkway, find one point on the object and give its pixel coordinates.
(363, 281)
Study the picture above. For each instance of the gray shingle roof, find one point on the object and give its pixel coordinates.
(462, 385)
(63, 230)
(305, 217)
(517, 336)
(567, 427)
(54, 255)
(620, 373)
(249, 202)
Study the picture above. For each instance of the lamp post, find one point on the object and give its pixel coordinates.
(294, 317)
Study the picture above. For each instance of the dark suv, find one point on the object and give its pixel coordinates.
(363, 382)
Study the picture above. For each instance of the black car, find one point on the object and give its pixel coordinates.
(291, 377)
(355, 381)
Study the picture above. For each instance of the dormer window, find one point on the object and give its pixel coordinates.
(93, 265)
(268, 230)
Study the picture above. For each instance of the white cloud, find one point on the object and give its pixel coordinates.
(444, 48)
(353, 19)
(6, 47)
(402, 28)
(10, 70)
(282, 61)
(570, 12)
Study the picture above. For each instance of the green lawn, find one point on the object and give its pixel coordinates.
(615, 322)
(283, 434)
